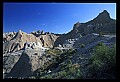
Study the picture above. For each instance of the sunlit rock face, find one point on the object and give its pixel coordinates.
(8, 36)
(18, 41)
(25, 53)
(32, 45)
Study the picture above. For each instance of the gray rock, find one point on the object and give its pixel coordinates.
(9, 60)
(33, 45)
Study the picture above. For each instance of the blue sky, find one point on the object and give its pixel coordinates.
(52, 17)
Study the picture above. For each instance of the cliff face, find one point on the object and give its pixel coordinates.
(18, 41)
(101, 24)
(48, 40)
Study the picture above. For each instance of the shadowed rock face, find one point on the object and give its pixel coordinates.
(103, 16)
(22, 68)
(25, 63)
(101, 24)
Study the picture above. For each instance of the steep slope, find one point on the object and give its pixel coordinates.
(73, 64)
(8, 36)
(48, 40)
(19, 40)
(102, 24)
(35, 59)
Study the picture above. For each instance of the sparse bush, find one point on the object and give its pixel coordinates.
(100, 44)
(103, 62)
(32, 77)
(82, 45)
(78, 74)
(72, 51)
(49, 77)
(67, 69)
(101, 34)
(54, 51)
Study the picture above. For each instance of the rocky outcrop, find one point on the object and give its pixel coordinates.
(9, 61)
(22, 64)
(19, 40)
(48, 40)
(103, 16)
(32, 45)
(8, 36)
(102, 23)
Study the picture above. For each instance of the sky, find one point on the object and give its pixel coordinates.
(51, 17)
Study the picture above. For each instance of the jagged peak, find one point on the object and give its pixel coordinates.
(21, 32)
(103, 15)
(104, 11)
(77, 24)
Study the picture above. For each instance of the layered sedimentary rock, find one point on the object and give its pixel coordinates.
(19, 40)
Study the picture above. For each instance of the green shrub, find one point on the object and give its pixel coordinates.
(32, 77)
(49, 77)
(100, 44)
(103, 61)
(82, 45)
(54, 51)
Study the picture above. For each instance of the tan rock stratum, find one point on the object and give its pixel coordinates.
(19, 40)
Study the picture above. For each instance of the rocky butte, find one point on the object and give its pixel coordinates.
(40, 55)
